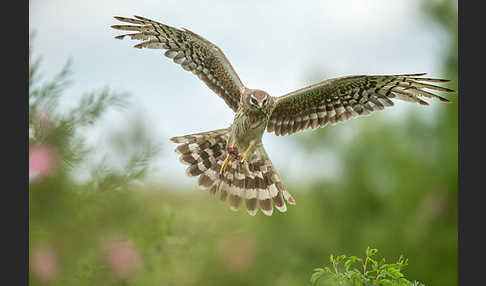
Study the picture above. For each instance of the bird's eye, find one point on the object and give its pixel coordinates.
(265, 101)
(253, 101)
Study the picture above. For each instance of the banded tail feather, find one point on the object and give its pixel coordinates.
(254, 181)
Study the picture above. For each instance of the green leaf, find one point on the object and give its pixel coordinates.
(340, 258)
(318, 272)
(381, 273)
(371, 251)
(348, 264)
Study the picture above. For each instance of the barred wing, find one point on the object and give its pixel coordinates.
(191, 51)
(339, 99)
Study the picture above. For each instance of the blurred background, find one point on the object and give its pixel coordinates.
(109, 202)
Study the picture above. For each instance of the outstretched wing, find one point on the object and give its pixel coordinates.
(339, 99)
(191, 51)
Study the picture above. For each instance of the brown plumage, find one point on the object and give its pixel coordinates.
(191, 51)
(254, 181)
(233, 161)
(339, 99)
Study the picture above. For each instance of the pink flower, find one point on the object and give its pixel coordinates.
(123, 258)
(44, 264)
(42, 161)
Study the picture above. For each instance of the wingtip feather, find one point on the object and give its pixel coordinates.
(443, 99)
(422, 102)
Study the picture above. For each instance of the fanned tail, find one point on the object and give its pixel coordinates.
(254, 181)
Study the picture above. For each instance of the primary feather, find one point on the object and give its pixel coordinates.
(339, 99)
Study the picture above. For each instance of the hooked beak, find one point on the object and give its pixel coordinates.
(260, 105)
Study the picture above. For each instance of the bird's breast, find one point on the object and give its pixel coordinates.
(248, 127)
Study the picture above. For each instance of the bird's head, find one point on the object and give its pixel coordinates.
(257, 100)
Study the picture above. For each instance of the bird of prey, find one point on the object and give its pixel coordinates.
(233, 160)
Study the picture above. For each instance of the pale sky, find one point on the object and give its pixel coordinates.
(277, 46)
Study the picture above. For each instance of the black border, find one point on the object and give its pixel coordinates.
(15, 102)
(471, 144)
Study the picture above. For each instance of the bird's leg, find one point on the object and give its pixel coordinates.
(245, 154)
(232, 150)
(225, 164)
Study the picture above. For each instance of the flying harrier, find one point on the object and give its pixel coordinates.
(233, 160)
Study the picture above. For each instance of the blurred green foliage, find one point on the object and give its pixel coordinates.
(396, 190)
(364, 271)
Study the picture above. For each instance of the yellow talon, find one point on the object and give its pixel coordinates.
(243, 157)
(244, 154)
(224, 166)
(234, 151)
